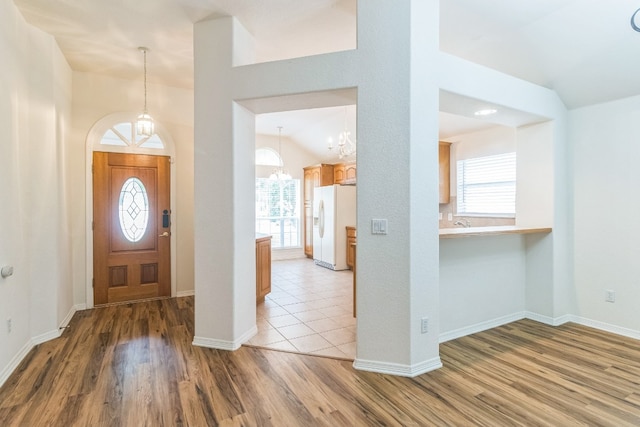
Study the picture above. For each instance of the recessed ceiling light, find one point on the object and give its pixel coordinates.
(486, 112)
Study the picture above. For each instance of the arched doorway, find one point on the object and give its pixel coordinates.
(115, 135)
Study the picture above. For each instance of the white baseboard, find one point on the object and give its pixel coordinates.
(479, 327)
(398, 369)
(186, 293)
(34, 341)
(13, 364)
(223, 344)
(551, 321)
(607, 327)
(47, 336)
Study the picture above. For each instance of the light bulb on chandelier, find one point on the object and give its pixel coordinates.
(346, 147)
(144, 123)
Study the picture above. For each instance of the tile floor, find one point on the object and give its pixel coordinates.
(309, 310)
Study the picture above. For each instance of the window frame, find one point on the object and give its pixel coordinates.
(499, 185)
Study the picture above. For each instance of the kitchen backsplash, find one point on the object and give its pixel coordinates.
(474, 221)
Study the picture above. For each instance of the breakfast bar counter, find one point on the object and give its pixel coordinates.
(453, 233)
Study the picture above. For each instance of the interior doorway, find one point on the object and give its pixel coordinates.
(310, 307)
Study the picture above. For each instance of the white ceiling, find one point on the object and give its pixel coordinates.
(585, 50)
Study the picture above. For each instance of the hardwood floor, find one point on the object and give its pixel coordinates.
(134, 365)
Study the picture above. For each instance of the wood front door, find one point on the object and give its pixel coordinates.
(131, 227)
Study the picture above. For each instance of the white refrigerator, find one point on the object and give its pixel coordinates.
(334, 208)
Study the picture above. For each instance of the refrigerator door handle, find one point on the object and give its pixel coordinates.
(321, 218)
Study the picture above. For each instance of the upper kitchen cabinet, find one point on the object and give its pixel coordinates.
(314, 176)
(444, 162)
(344, 173)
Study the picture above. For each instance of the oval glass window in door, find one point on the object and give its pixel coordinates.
(133, 209)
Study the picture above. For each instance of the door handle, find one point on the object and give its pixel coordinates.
(321, 221)
(165, 234)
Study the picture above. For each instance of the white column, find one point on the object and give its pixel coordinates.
(398, 181)
(225, 314)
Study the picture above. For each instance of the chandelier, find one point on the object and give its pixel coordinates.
(280, 173)
(346, 147)
(144, 123)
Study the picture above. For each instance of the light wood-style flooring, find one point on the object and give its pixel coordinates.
(134, 365)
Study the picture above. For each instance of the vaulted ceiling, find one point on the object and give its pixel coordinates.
(584, 50)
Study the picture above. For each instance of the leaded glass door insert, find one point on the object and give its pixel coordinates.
(133, 209)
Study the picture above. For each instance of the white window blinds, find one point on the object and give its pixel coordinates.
(487, 185)
(278, 211)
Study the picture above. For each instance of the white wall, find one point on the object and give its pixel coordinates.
(35, 116)
(605, 148)
(482, 283)
(536, 164)
(96, 96)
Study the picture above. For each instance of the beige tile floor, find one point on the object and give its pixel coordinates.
(309, 310)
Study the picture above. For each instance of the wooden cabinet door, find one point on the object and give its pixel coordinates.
(311, 176)
(350, 173)
(263, 267)
(444, 163)
(131, 232)
(339, 173)
(351, 249)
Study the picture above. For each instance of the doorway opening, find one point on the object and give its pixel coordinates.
(310, 308)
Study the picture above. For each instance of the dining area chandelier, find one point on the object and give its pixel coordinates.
(346, 146)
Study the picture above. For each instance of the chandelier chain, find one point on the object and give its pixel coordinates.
(144, 53)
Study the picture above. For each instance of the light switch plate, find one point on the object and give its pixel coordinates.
(378, 226)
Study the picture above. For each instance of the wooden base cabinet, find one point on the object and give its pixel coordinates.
(263, 267)
(444, 163)
(314, 176)
(351, 247)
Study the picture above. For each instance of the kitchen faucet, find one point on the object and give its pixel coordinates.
(463, 222)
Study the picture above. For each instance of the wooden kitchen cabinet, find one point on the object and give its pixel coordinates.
(444, 163)
(314, 176)
(263, 267)
(344, 173)
(351, 247)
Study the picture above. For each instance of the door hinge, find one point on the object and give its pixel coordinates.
(93, 283)
(93, 225)
(91, 167)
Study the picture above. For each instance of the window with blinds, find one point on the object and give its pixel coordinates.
(487, 185)
(278, 211)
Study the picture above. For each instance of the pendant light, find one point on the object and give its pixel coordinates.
(280, 173)
(144, 123)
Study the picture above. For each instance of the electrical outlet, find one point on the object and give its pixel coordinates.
(610, 296)
(424, 325)
(9, 325)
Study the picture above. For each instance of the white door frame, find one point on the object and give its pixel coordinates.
(93, 144)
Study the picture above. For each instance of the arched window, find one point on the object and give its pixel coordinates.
(267, 157)
(124, 135)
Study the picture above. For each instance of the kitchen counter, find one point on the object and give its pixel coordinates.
(453, 233)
